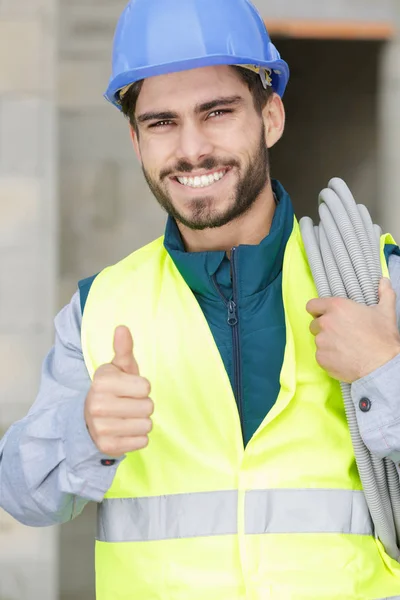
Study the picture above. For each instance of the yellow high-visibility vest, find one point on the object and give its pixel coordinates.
(195, 516)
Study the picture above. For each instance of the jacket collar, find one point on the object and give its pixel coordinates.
(257, 266)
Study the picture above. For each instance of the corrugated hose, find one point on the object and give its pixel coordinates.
(344, 256)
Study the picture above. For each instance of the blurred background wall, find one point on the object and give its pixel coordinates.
(29, 252)
(72, 198)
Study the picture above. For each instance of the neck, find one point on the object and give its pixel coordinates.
(249, 229)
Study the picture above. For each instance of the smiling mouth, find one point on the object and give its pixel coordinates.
(203, 180)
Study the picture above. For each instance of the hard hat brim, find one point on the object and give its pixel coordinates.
(279, 72)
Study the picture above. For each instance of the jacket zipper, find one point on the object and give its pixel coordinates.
(233, 321)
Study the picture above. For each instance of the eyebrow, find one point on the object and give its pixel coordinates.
(223, 101)
(199, 108)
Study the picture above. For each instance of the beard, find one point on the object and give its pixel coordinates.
(247, 190)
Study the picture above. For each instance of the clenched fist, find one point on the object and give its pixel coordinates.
(118, 407)
(353, 340)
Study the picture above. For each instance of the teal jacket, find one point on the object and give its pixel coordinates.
(242, 301)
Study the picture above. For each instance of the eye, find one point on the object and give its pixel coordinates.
(160, 124)
(219, 113)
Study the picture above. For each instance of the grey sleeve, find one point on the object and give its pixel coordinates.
(380, 425)
(49, 466)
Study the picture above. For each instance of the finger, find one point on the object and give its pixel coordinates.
(123, 351)
(122, 427)
(315, 327)
(118, 446)
(317, 307)
(122, 408)
(121, 385)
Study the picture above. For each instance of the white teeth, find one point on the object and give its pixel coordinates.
(203, 181)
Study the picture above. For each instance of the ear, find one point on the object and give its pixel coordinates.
(135, 143)
(274, 120)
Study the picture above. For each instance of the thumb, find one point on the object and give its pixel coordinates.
(123, 351)
(387, 296)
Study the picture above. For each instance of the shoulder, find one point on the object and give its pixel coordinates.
(139, 259)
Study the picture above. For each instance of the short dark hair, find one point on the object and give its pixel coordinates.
(253, 81)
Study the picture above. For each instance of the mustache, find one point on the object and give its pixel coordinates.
(184, 166)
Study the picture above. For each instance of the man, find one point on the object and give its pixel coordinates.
(187, 400)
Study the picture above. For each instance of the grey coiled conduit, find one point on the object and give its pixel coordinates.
(344, 257)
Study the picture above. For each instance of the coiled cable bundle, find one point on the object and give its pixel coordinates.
(344, 256)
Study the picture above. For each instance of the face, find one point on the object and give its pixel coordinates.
(202, 145)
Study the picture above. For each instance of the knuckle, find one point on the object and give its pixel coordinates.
(100, 428)
(103, 371)
(319, 357)
(99, 373)
(99, 384)
(146, 386)
(333, 304)
(142, 442)
(137, 443)
(320, 341)
(149, 407)
(107, 446)
(148, 425)
(97, 408)
(324, 322)
(338, 303)
(310, 304)
(141, 427)
(142, 387)
(104, 377)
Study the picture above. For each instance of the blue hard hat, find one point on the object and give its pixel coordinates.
(156, 37)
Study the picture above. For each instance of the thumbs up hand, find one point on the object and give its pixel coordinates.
(118, 407)
(352, 339)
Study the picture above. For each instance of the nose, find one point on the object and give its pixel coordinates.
(193, 143)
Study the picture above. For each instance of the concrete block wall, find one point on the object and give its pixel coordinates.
(28, 257)
(389, 134)
(107, 210)
(356, 10)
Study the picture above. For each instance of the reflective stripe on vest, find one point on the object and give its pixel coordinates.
(215, 513)
(167, 517)
(307, 511)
